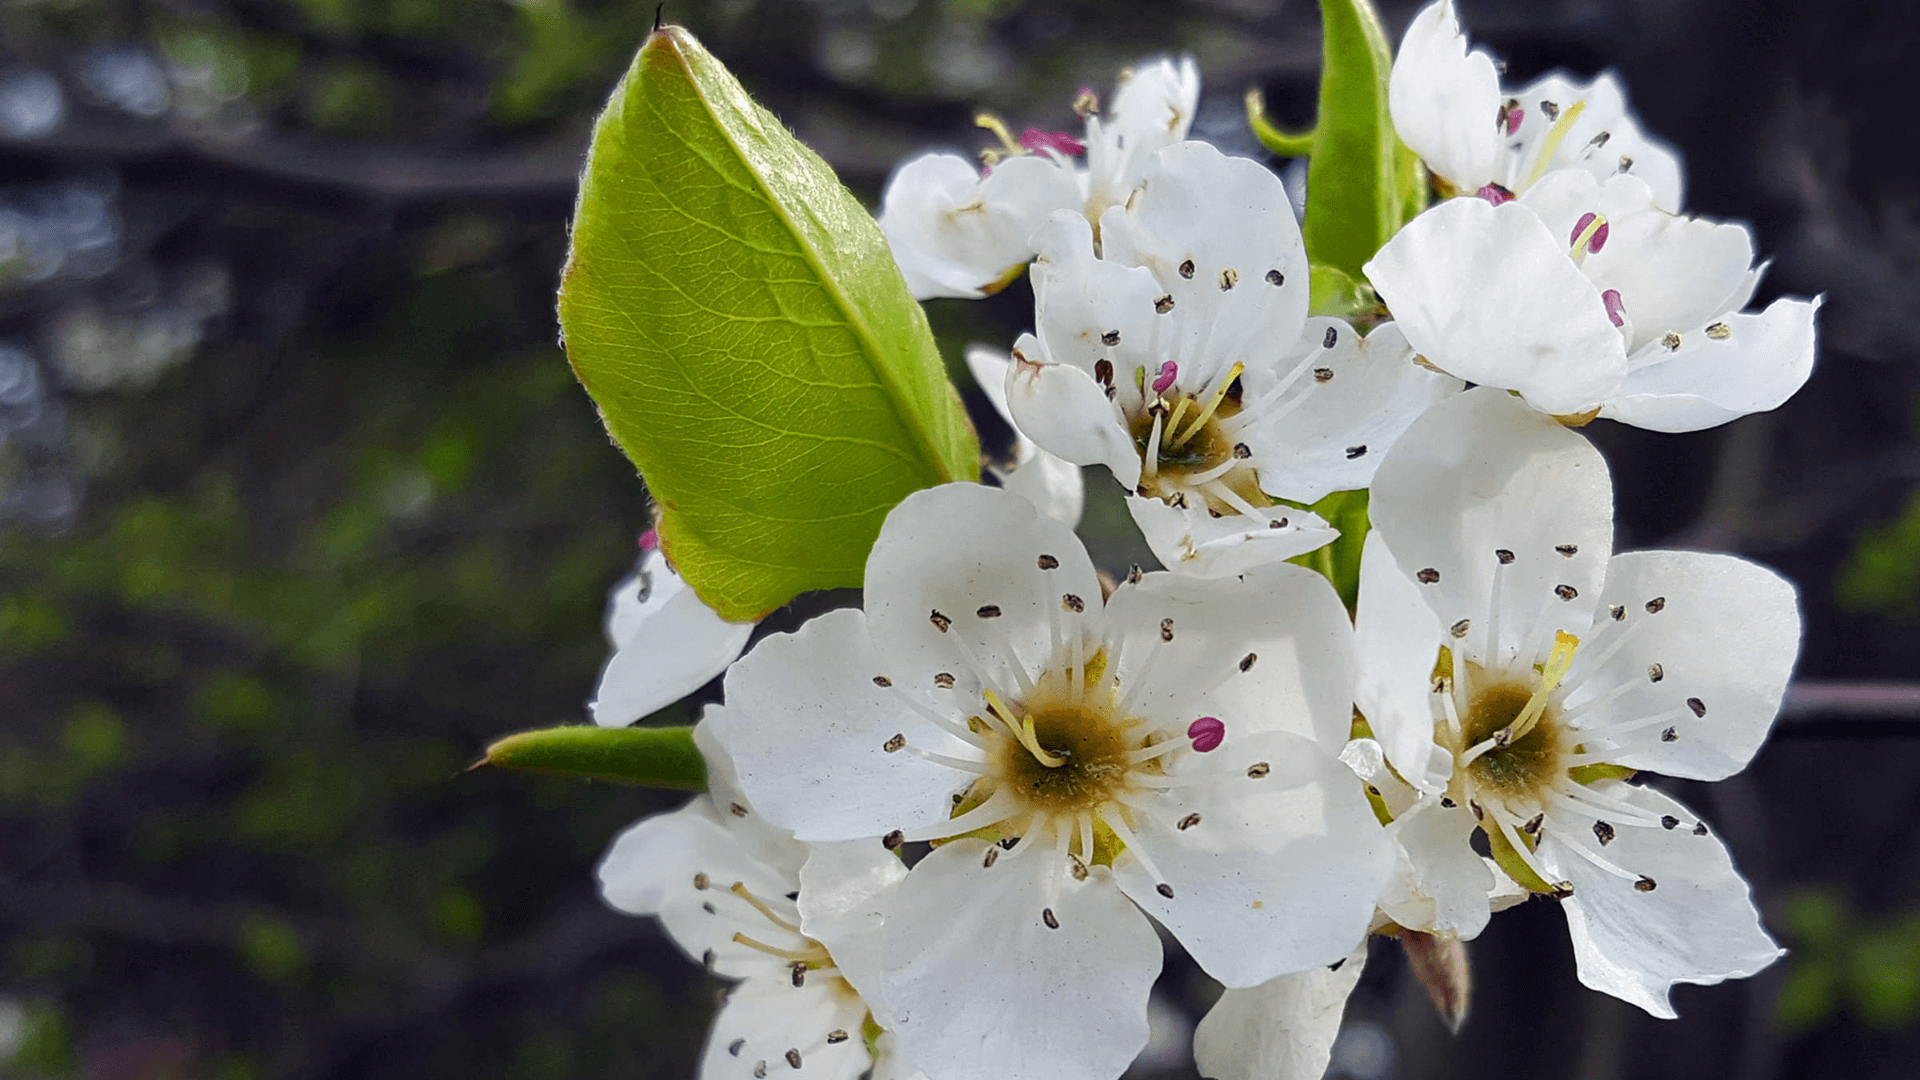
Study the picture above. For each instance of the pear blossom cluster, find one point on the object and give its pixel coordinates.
(943, 826)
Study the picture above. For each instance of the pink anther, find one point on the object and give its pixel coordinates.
(1616, 308)
(1495, 194)
(1514, 116)
(1057, 141)
(1169, 371)
(1207, 733)
(649, 540)
(1594, 242)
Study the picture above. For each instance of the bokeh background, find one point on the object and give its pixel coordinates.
(300, 507)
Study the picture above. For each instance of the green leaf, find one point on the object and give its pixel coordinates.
(662, 757)
(1357, 179)
(736, 315)
(1334, 293)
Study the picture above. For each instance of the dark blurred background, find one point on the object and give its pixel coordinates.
(300, 506)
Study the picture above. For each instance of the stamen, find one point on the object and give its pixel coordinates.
(1085, 822)
(1494, 194)
(1589, 235)
(1551, 144)
(1151, 465)
(1520, 849)
(1169, 371)
(1058, 142)
(1616, 307)
(1219, 395)
(1555, 669)
(1207, 734)
(807, 956)
(1232, 498)
(1022, 731)
(992, 812)
(1111, 814)
(973, 768)
(740, 890)
(999, 128)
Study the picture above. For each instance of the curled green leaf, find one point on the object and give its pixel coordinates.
(662, 757)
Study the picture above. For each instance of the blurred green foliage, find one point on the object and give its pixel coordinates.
(1882, 575)
(1869, 966)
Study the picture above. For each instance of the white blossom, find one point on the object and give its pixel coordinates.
(1080, 765)
(1587, 299)
(1183, 359)
(793, 923)
(957, 231)
(1517, 672)
(1449, 108)
(666, 642)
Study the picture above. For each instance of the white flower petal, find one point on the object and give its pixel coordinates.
(1089, 309)
(764, 1020)
(1624, 149)
(1193, 541)
(845, 891)
(1221, 241)
(1397, 637)
(806, 725)
(666, 646)
(761, 839)
(1052, 484)
(954, 233)
(1696, 925)
(1439, 885)
(1481, 475)
(1445, 101)
(1268, 650)
(1489, 295)
(1152, 107)
(1361, 395)
(1755, 365)
(650, 868)
(1067, 414)
(994, 569)
(1672, 272)
(972, 964)
(1282, 1029)
(1281, 871)
(1722, 643)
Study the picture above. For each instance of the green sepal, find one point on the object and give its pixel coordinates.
(1515, 866)
(1333, 292)
(1357, 182)
(662, 757)
(1588, 774)
(736, 315)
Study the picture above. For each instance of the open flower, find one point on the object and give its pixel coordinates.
(794, 924)
(1182, 358)
(960, 232)
(1476, 138)
(666, 642)
(1587, 298)
(1517, 673)
(1079, 765)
